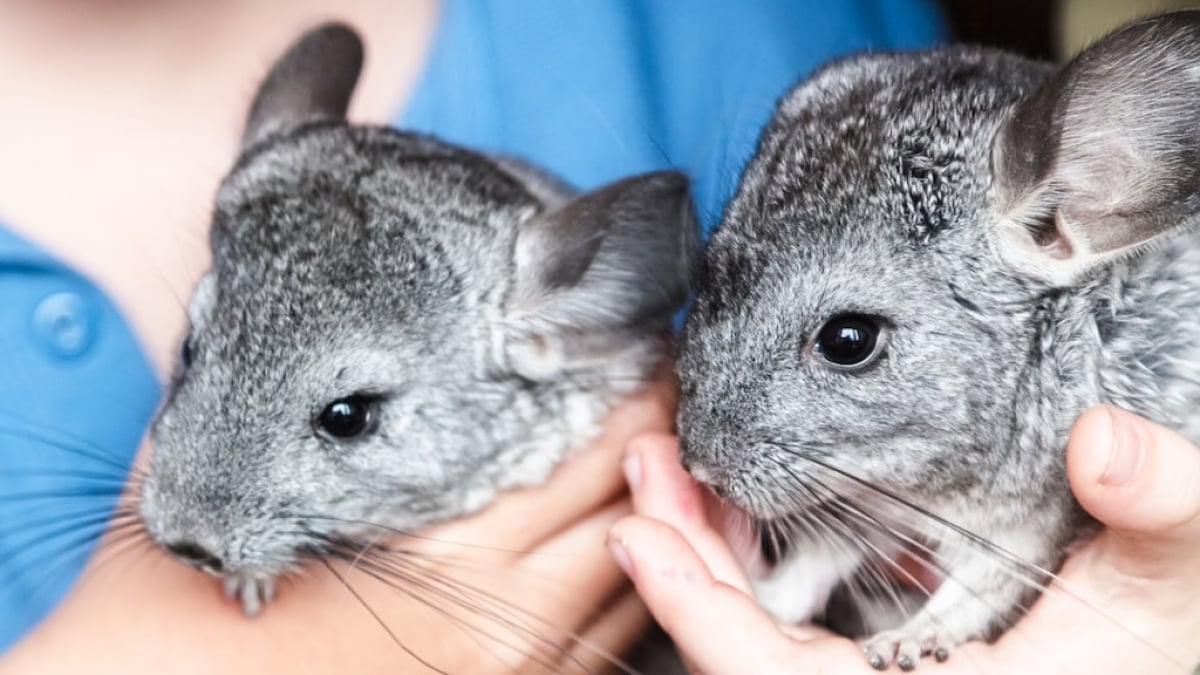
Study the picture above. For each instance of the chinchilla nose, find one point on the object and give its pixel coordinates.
(195, 555)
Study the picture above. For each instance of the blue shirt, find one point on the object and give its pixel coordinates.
(593, 91)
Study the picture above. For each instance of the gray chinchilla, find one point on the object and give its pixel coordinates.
(934, 263)
(394, 330)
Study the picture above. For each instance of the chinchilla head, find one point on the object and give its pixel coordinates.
(393, 329)
(902, 287)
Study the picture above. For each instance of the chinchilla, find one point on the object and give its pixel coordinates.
(933, 264)
(394, 330)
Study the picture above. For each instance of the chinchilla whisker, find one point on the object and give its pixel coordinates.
(839, 504)
(881, 557)
(1019, 572)
(126, 520)
(82, 540)
(854, 584)
(775, 541)
(166, 282)
(384, 554)
(1010, 562)
(1058, 583)
(378, 619)
(399, 532)
(460, 562)
(475, 633)
(925, 513)
(459, 587)
(416, 580)
(822, 524)
(124, 527)
(29, 430)
(875, 556)
(106, 551)
(56, 494)
(477, 601)
(117, 481)
(402, 566)
(127, 505)
(112, 518)
(83, 544)
(875, 523)
(118, 547)
(870, 565)
(874, 563)
(61, 525)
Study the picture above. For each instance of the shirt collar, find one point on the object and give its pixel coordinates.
(16, 251)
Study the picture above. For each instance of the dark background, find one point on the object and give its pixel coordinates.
(1023, 26)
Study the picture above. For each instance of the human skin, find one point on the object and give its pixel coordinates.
(137, 611)
(120, 118)
(1127, 601)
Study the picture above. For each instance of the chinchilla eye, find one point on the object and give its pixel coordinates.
(185, 352)
(348, 417)
(849, 341)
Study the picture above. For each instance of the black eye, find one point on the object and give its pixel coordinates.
(185, 352)
(849, 340)
(349, 417)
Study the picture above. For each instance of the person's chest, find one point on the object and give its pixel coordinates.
(114, 145)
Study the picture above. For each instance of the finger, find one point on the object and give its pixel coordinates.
(1142, 481)
(664, 491)
(1134, 588)
(610, 636)
(571, 576)
(718, 629)
(519, 521)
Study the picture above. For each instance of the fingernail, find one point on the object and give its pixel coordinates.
(1128, 447)
(617, 547)
(632, 466)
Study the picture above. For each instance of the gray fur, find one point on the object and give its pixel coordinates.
(877, 190)
(351, 259)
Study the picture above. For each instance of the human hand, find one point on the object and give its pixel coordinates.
(1128, 601)
(545, 544)
(508, 590)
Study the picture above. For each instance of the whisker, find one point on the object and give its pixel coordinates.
(379, 569)
(453, 590)
(104, 496)
(379, 620)
(80, 474)
(468, 629)
(402, 564)
(1000, 553)
(60, 440)
(850, 535)
(81, 544)
(402, 533)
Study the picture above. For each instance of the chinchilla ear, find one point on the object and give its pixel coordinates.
(604, 268)
(312, 81)
(1105, 157)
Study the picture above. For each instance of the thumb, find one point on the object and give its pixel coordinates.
(1142, 481)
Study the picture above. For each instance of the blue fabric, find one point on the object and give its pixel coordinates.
(599, 90)
(75, 394)
(593, 90)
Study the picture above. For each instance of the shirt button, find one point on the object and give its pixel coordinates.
(64, 324)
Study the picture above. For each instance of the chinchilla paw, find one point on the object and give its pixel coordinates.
(905, 649)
